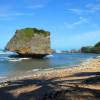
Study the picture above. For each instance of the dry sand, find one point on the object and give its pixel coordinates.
(77, 83)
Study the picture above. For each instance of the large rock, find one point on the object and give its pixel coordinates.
(30, 42)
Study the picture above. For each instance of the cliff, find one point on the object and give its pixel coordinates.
(30, 42)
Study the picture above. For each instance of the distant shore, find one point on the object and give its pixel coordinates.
(85, 76)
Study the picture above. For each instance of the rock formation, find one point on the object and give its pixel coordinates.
(30, 42)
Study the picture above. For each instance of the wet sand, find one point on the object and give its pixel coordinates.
(77, 83)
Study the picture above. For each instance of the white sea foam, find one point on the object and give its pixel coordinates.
(48, 69)
(2, 77)
(98, 57)
(14, 59)
(87, 61)
(6, 53)
(48, 56)
(34, 70)
(25, 58)
(17, 59)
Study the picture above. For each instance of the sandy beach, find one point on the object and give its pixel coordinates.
(76, 83)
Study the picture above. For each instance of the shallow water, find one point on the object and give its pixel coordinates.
(11, 66)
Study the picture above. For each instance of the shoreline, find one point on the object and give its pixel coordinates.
(74, 83)
(72, 69)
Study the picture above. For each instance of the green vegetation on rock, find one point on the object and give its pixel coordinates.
(28, 33)
(91, 49)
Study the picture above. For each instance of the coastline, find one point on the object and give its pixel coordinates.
(39, 72)
(85, 76)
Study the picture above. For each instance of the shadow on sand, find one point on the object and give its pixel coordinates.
(51, 89)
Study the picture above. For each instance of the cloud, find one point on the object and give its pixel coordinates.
(94, 7)
(22, 14)
(25, 8)
(16, 14)
(79, 22)
(81, 11)
(89, 8)
(84, 39)
(76, 11)
(13, 15)
(10, 13)
(34, 7)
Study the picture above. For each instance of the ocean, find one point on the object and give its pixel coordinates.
(10, 66)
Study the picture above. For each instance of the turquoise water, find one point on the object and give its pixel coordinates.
(10, 66)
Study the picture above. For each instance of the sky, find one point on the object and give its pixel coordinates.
(72, 23)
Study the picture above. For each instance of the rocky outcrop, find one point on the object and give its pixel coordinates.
(30, 42)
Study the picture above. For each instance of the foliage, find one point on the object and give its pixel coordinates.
(28, 33)
(86, 49)
(97, 44)
(94, 49)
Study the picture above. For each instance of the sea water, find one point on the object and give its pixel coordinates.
(15, 65)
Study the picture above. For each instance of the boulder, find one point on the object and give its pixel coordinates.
(30, 42)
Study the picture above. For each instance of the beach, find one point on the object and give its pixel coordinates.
(77, 83)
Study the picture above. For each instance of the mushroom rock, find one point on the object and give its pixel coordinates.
(30, 42)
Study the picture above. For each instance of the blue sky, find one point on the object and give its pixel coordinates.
(72, 23)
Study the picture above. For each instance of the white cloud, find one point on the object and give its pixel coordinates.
(88, 11)
(76, 11)
(26, 8)
(8, 12)
(22, 14)
(93, 7)
(33, 7)
(85, 39)
(79, 22)
(89, 8)
(81, 11)
(16, 14)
